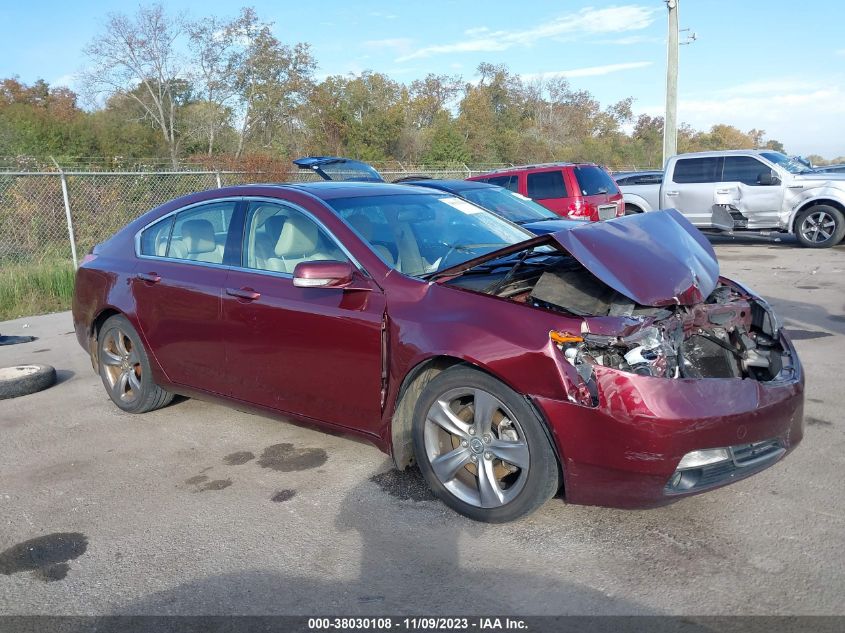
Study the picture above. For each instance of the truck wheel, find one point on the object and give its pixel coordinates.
(820, 226)
(632, 209)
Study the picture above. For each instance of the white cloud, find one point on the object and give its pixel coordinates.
(590, 71)
(478, 30)
(587, 21)
(804, 115)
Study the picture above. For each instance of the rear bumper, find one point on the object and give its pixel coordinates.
(624, 452)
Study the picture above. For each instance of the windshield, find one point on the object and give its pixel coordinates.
(789, 164)
(511, 206)
(421, 234)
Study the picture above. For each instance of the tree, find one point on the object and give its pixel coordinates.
(214, 46)
(272, 80)
(136, 56)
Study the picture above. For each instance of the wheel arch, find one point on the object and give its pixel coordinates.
(401, 441)
(832, 202)
(94, 330)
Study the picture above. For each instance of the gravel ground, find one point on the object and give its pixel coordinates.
(201, 509)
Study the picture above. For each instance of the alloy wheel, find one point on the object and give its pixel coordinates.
(818, 227)
(122, 364)
(476, 447)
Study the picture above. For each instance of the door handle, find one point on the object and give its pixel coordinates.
(152, 278)
(248, 294)
(725, 191)
(672, 194)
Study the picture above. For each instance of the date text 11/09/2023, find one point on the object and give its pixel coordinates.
(418, 624)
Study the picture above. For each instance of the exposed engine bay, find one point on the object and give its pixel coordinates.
(730, 334)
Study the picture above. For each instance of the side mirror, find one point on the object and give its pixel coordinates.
(769, 178)
(323, 274)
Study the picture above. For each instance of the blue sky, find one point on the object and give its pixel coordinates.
(775, 65)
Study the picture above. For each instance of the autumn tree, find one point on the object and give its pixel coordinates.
(137, 56)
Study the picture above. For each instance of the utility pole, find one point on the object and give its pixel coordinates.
(670, 121)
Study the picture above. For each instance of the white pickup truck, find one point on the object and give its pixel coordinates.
(748, 190)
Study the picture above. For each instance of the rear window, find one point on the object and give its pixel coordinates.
(508, 182)
(543, 185)
(594, 181)
(696, 170)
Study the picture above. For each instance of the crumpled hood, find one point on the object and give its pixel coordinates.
(656, 258)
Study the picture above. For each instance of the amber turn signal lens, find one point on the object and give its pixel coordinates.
(564, 338)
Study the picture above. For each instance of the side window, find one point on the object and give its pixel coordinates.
(744, 169)
(508, 182)
(278, 238)
(199, 234)
(689, 170)
(546, 184)
(154, 239)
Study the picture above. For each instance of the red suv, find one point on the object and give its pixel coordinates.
(576, 191)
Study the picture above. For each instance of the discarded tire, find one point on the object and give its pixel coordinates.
(25, 379)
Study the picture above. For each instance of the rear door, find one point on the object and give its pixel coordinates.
(692, 188)
(759, 203)
(315, 352)
(548, 188)
(177, 289)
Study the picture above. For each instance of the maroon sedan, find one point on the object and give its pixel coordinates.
(609, 363)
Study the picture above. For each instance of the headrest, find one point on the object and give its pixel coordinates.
(198, 236)
(299, 237)
(273, 225)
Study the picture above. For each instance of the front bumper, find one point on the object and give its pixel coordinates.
(624, 452)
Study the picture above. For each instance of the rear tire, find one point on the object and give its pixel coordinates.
(820, 226)
(481, 447)
(632, 209)
(125, 368)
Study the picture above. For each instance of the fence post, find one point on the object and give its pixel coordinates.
(467, 169)
(67, 214)
(219, 182)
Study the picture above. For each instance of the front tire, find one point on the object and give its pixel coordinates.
(820, 226)
(482, 448)
(125, 368)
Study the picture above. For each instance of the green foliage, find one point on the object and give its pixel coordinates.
(27, 289)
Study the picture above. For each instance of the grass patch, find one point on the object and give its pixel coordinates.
(28, 289)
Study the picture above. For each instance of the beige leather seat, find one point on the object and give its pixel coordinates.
(364, 226)
(299, 242)
(266, 240)
(198, 237)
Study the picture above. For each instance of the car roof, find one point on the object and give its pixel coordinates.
(328, 190)
(517, 168)
(725, 152)
(449, 185)
(646, 172)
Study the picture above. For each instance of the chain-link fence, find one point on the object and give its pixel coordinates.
(50, 219)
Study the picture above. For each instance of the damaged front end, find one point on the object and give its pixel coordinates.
(732, 334)
(649, 298)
